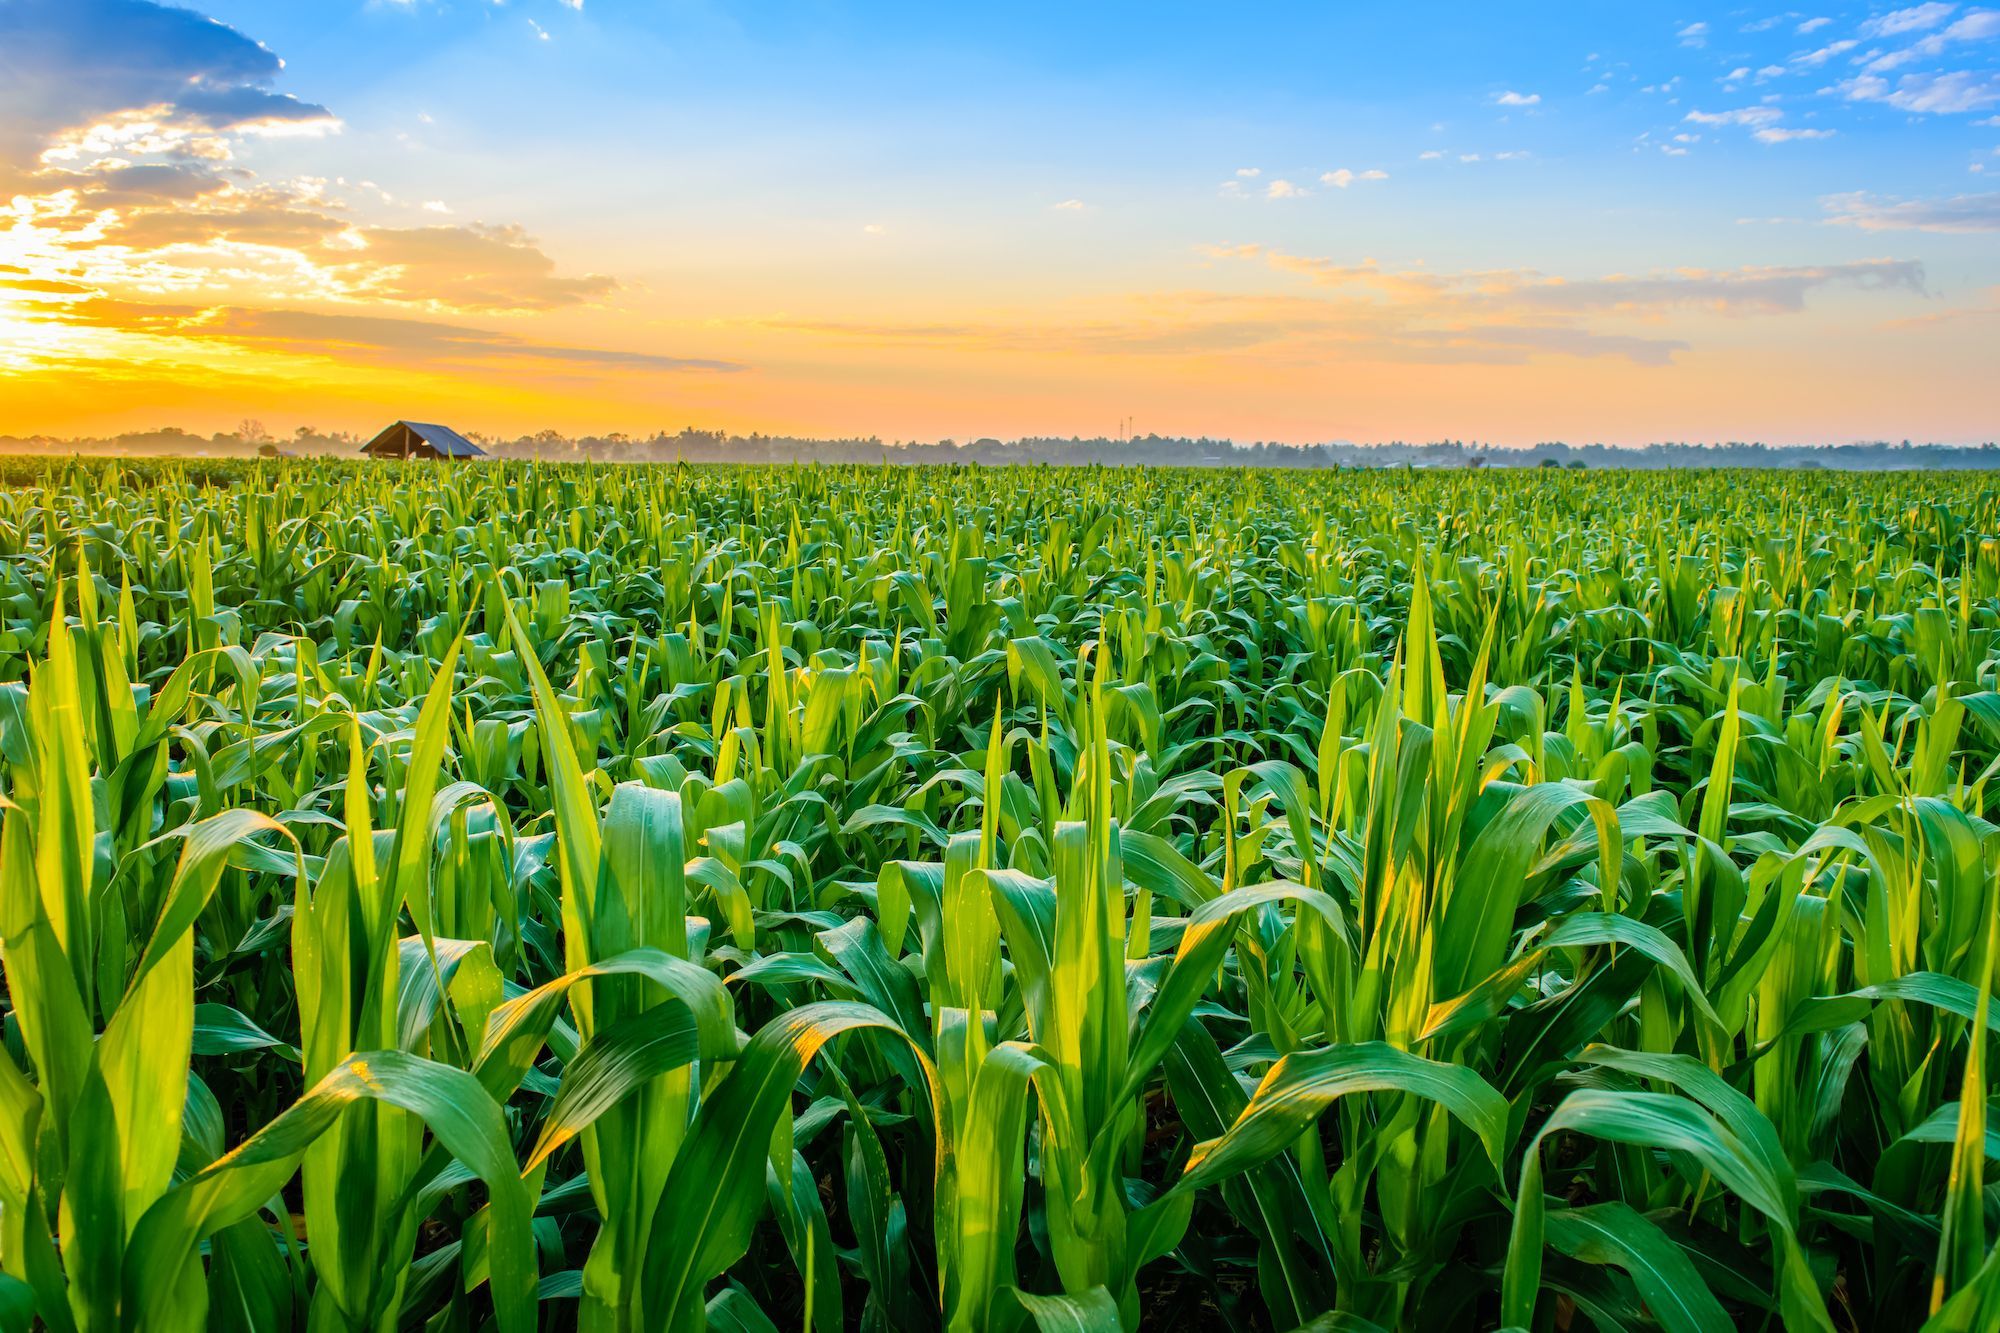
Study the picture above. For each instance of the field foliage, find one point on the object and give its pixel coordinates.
(840, 898)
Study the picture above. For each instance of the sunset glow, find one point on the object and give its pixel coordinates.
(1619, 223)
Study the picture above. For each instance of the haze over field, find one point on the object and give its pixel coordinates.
(1300, 223)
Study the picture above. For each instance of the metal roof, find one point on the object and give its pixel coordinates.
(447, 442)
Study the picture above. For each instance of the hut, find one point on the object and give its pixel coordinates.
(419, 439)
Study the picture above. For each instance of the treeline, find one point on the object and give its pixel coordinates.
(702, 446)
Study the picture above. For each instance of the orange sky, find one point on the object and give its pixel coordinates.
(191, 258)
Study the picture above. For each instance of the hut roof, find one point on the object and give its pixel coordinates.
(442, 440)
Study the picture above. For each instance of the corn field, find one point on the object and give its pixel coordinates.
(534, 896)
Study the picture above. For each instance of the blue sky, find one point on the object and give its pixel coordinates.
(1300, 221)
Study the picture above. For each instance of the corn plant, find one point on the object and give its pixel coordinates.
(656, 897)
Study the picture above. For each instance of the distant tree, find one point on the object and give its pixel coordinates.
(251, 431)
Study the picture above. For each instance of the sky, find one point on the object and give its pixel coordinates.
(1354, 221)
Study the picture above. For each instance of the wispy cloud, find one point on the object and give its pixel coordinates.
(1511, 98)
(1343, 178)
(1977, 26)
(367, 337)
(1749, 115)
(1959, 213)
(1694, 35)
(1814, 59)
(1955, 92)
(1916, 18)
(1761, 121)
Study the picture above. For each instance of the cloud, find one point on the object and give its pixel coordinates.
(1761, 121)
(1283, 189)
(1814, 59)
(1954, 93)
(1430, 155)
(1965, 213)
(1749, 115)
(373, 338)
(1511, 98)
(466, 268)
(1811, 26)
(1766, 290)
(1694, 34)
(1979, 25)
(1343, 178)
(1071, 206)
(73, 63)
(121, 122)
(1249, 173)
(1914, 19)
(1361, 311)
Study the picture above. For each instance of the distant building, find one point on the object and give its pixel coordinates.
(418, 439)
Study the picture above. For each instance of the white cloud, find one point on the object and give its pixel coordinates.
(1511, 98)
(1248, 173)
(873, 229)
(1914, 19)
(1749, 115)
(1953, 93)
(1977, 26)
(1283, 189)
(1740, 72)
(1812, 25)
(1814, 59)
(1599, 88)
(1694, 34)
(1430, 155)
(1468, 157)
(1761, 121)
(1514, 156)
(577, 5)
(1343, 178)
(436, 206)
(540, 31)
(1071, 206)
(1960, 213)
